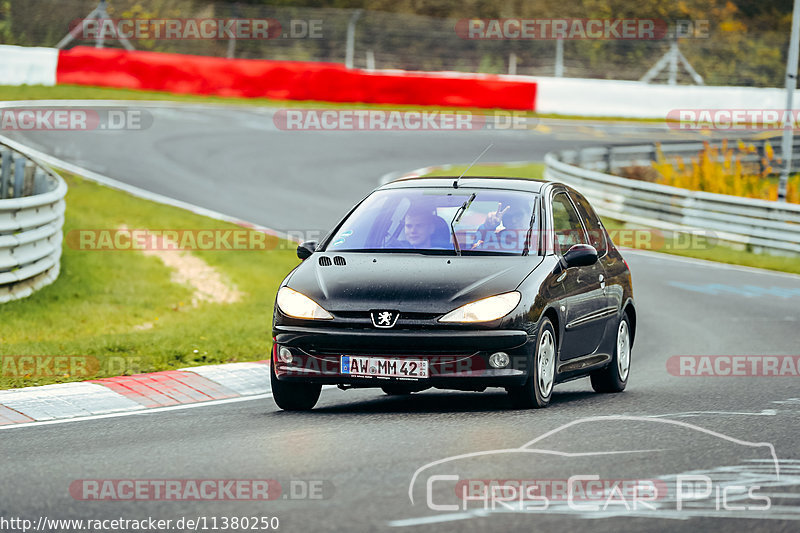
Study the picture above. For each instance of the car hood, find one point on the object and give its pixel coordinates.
(406, 282)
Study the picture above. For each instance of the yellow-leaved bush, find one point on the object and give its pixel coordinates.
(720, 169)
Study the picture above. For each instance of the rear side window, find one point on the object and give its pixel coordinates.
(597, 235)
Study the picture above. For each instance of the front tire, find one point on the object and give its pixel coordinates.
(538, 389)
(614, 377)
(293, 396)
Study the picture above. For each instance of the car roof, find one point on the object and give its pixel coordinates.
(471, 182)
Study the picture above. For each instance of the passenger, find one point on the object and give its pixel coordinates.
(511, 238)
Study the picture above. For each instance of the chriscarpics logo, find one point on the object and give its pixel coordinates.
(658, 468)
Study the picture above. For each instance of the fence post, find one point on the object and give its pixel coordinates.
(5, 173)
(19, 176)
(512, 64)
(559, 58)
(39, 181)
(351, 38)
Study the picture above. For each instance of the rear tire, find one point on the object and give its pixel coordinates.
(538, 389)
(614, 377)
(293, 396)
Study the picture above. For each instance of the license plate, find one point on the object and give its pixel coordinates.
(380, 367)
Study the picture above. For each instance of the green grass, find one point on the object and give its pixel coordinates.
(527, 170)
(93, 309)
(80, 92)
(708, 250)
(677, 246)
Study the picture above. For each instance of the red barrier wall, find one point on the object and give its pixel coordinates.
(287, 80)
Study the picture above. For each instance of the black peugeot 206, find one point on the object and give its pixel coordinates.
(458, 284)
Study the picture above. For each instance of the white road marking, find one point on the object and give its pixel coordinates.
(764, 412)
(143, 411)
(147, 411)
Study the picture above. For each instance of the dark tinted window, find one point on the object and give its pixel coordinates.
(489, 221)
(566, 224)
(597, 235)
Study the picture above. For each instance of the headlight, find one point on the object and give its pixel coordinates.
(299, 305)
(484, 310)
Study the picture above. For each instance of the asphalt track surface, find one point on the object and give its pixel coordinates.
(368, 451)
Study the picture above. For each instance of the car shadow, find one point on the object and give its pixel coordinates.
(442, 402)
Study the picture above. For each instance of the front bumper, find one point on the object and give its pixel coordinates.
(457, 359)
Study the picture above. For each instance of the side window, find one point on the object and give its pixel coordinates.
(566, 224)
(597, 235)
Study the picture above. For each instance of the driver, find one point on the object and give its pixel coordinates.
(419, 227)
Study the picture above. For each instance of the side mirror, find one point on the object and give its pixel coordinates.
(580, 255)
(305, 250)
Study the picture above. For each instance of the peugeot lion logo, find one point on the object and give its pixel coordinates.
(384, 319)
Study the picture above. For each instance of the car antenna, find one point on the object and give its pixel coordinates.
(455, 182)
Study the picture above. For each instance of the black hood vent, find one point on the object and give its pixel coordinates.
(339, 261)
(324, 261)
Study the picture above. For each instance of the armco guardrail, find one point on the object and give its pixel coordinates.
(612, 157)
(31, 221)
(762, 225)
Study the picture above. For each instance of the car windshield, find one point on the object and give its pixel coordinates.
(486, 222)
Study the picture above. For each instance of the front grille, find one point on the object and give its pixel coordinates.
(365, 315)
(386, 351)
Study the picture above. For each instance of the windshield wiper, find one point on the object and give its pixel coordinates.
(456, 219)
(528, 237)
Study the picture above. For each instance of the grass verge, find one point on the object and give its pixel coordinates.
(717, 252)
(80, 92)
(120, 312)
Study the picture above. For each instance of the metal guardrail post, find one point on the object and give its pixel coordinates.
(5, 172)
(39, 181)
(19, 176)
